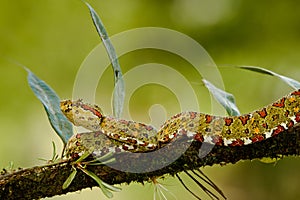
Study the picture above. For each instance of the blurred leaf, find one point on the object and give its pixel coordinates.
(293, 83)
(225, 99)
(11, 166)
(268, 160)
(119, 94)
(51, 103)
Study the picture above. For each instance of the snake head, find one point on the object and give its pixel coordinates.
(82, 114)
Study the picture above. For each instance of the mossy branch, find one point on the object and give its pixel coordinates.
(47, 181)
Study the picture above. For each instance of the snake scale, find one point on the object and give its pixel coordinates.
(109, 134)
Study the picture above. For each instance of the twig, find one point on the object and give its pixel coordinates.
(47, 181)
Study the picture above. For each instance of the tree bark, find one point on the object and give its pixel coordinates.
(46, 181)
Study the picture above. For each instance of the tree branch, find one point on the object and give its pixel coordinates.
(47, 181)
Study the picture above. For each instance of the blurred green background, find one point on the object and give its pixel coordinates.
(53, 37)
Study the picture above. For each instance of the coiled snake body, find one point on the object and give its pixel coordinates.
(114, 135)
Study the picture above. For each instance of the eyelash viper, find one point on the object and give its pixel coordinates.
(114, 135)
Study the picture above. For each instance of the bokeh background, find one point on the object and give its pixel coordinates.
(53, 37)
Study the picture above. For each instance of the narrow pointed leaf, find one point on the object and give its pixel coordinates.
(103, 160)
(96, 162)
(106, 192)
(98, 180)
(54, 154)
(69, 179)
(111, 187)
(119, 92)
(291, 82)
(51, 103)
(225, 99)
(105, 157)
(84, 156)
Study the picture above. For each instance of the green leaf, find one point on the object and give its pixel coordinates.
(105, 159)
(97, 162)
(11, 166)
(84, 156)
(54, 154)
(51, 103)
(103, 186)
(119, 91)
(111, 187)
(225, 99)
(291, 82)
(69, 179)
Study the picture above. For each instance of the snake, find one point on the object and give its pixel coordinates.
(109, 134)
